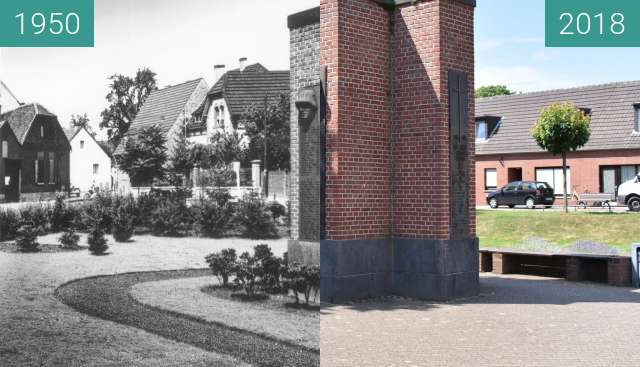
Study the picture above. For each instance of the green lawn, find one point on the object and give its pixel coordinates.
(510, 228)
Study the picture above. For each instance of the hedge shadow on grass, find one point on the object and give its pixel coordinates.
(108, 298)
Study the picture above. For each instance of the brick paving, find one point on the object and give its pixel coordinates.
(38, 330)
(516, 321)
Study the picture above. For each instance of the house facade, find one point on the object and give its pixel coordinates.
(90, 164)
(233, 93)
(34, 164)
(506, 152)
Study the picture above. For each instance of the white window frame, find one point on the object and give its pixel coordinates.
(486, 183)
(486, 130)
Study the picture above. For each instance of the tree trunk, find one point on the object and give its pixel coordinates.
(564, 178)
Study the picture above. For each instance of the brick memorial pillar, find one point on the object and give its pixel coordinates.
(306, 147)
(399, 216)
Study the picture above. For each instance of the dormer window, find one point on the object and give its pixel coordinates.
(636, 120)
(586, 111)
(482, 130)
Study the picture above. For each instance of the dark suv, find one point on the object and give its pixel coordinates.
(529, 193)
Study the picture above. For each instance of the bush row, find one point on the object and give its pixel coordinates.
(264, 272)
(161, 213)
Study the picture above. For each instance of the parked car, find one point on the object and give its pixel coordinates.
(629, 194)
(529, 193)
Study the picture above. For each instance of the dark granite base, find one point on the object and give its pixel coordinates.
(418, 268)
(303, 252)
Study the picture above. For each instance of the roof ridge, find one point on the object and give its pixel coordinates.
(179, 84)
(570, 89)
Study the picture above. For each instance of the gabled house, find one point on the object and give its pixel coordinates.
(169, 108)
(233, 93)
(34, 162)
(90, 161)
(506, 152)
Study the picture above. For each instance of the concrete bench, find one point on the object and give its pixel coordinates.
(613, 270)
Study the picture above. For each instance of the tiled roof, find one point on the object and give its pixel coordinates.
(20, 119)
(612, 117)
(242, 89)
(163, 107)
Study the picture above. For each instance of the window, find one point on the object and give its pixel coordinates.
(512, 186)
(613, 176)
(41, 130)
(553, 177)
(5, 149)
(81, 144)
(52, 167)
(218, 117)
(481, 130)
(96, 169)
(636, 122)
(39, 168)
(490, 179)
(586, 111)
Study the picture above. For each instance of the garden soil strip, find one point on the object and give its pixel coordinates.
(108, 297)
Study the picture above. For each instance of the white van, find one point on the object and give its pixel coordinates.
(629, 194)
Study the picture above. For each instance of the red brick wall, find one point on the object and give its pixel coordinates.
(585, 167)
(354, 39)
(387, 117)
(430, 39)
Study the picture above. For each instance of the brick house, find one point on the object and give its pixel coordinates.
(34, 164)
(506, 152)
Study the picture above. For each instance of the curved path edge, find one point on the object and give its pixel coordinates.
(107, 297)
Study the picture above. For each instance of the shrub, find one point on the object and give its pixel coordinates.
(97, 242)
(302, 280)
(37, 216)
(277, 210)
(254, 217)
(223, 264)
(98, 212)
(213, 217)
(271, 267)
(60, 217)
(172, 218)
(9, 224)
(26, 239)
(69, 239)
(248, 272)
(124, 221)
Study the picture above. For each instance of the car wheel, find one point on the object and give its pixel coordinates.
(548, 206)
(634, 204)
(493, 203)
(530, 203)
(511, 206)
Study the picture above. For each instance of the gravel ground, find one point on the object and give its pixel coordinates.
(185, 296)
(516, 321)
(108, 297)
(38, 330)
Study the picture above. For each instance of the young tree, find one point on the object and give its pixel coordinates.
(561, 128)
(144, 156)
(227, 147)
(181, 161)
(492, 90)
(126, 96)
(80, 121)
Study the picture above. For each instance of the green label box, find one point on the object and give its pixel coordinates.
(46, 23)
(592, 23)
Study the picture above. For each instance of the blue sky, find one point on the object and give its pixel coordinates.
(510, 50)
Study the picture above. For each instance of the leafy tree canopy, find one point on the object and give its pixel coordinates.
(78, 121)
(126, 96)
(492, 90)
(561, 128)
(144, 156)
(277, 115)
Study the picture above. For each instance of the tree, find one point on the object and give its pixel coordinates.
(227, 147)
(277, 116)
(126, 96)
(492, 90)
(181, 160)
(78, 121)
(561, 128)
(144, 156)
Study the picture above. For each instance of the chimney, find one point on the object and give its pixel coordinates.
(218, 72)
(243, 63)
